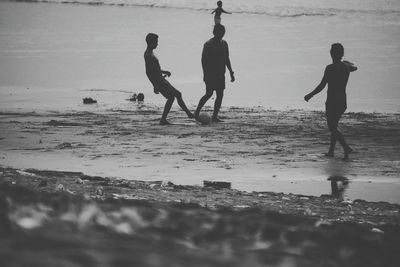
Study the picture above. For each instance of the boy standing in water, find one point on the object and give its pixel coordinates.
(336, 76)
(161, 85)
(218, 11)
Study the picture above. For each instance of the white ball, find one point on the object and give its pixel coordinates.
(204, 118)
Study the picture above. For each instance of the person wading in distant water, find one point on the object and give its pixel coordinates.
(214, 60)
(218, 11)
(157, 78)
(336, 76)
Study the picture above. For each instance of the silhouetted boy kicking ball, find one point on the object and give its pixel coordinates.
(157, 78)
(336, 76)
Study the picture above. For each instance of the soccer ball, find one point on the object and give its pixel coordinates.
(204, 118)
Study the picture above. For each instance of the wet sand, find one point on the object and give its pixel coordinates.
(160, 215)
(254, 149)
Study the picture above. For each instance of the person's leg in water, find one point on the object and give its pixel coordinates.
(333, 121)
(217, 105)
(202, 102)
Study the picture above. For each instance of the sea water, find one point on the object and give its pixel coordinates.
(52, 55)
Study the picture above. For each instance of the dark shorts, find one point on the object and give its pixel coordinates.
(334, 112)
(215, 84)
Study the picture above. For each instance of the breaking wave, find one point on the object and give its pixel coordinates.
(290, 8)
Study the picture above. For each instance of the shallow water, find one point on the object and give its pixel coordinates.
(278, 54)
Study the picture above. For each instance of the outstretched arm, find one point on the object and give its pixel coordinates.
(226, 12)
(213, 11)
(350, 66)
(318, 89)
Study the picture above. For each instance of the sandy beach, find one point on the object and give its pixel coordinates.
(105, 185)
(254, 149)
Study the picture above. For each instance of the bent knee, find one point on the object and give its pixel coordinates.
(177, 94)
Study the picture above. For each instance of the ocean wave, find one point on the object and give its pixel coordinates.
(257, 7)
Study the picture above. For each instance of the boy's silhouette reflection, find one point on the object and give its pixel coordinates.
(339, 185)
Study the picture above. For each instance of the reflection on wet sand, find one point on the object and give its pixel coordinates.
(339, 185)
(337, 170)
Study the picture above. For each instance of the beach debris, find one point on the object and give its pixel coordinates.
(152, 186)
(225, 164)
(217, 184)
(241, 206)
(64, 145)
(60, 188)
(133, 97)
(89, 100)
(100, 191)
(25, 173)
(348, 201)
(377, 230)
(140, 97)
(308, 211)
(350, 209)
(166, 184)
(124, 196)
(188, 159)
(80, 181)
(322, 223)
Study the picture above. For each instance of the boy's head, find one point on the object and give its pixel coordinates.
(337, 51)
(219, 3)
(152, 40)
(219, 31)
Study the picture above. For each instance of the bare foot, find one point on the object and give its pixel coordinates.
(347, 153)
(165, 122)
(329, 155)
(191, 115)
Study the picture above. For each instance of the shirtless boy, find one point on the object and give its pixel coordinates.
(336, 76)
(157, 77)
